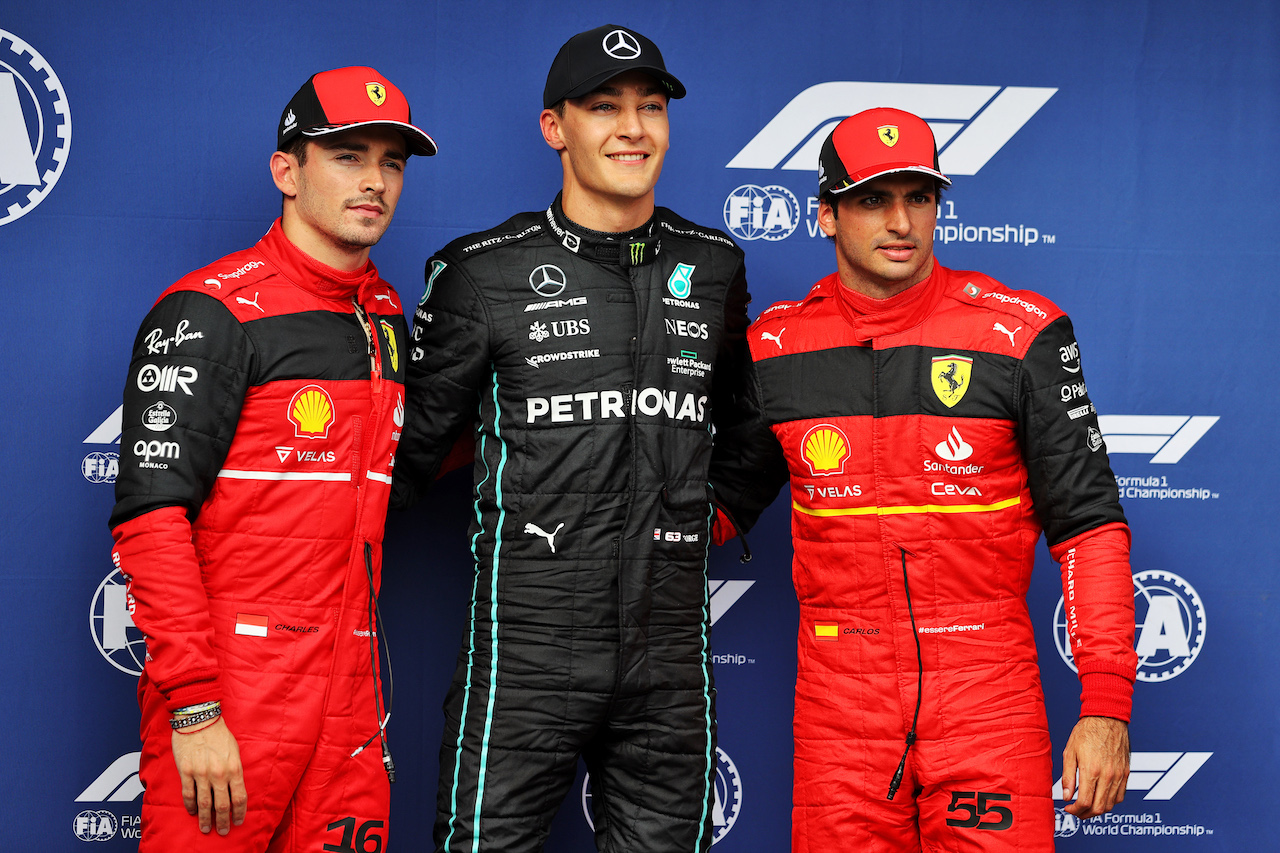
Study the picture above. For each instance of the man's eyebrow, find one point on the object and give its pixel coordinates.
(361, 147)
(614, 92)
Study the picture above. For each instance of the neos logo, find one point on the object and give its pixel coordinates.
(35, 128)
(1170, 630)
(1167, 437)
(970, 123)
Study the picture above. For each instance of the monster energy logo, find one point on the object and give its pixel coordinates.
(637, 253)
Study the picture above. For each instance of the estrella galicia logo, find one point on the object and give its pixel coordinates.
(1170, 631)
(970, 123)
(95, 825)
(728, 797)
(548, 280)
(35, 128)
(753, 212)
(681, 281)
(111, 624)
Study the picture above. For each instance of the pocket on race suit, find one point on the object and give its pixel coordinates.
(275, 662)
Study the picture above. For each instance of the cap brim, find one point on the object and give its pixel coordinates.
(889, 170)
(419, 142)
(675, 89)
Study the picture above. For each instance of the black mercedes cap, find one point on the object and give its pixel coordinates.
(589, 59)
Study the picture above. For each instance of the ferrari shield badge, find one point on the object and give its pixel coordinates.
(377, 93)
(950, 375)
(888, 134)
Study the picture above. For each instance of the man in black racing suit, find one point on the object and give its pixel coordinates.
(592, 345)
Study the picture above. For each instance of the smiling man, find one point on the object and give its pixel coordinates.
(261, 414)
(933, 423)
(593, 345)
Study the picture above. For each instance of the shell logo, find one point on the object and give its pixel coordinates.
(825, 447)
(311, 412)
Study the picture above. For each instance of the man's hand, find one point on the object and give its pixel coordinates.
(208, 761)
(1099, 749)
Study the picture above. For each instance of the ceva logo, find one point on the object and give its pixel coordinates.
(970, 123)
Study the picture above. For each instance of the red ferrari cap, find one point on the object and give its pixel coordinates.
(332, 101)
(873, 143)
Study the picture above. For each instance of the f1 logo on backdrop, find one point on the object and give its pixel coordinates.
(1160, 774)
(725, 594)
(970, 124)
(1167, 437)
(35, 128)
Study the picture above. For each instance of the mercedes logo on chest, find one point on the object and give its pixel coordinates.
(547, 280)
(621, 44)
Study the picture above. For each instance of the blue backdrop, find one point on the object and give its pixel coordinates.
(1118, 157)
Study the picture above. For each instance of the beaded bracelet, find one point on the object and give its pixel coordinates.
(195, 709)
(187, 720)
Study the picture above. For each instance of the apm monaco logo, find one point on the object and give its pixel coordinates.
(111, 624)
(1170, 630)
(754, 212)
(1166, 437)
(970, 123)
(728, 798)
(35, 128)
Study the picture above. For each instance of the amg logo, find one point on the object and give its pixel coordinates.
(556, 303)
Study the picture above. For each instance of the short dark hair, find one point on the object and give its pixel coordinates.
(833, 199)
(298, 148)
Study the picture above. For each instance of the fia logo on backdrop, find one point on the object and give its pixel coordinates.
(35, 128)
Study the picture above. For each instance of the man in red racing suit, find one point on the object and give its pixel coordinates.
(261, 417)
(932, 422)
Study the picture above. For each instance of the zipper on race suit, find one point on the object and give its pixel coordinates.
(915, 719)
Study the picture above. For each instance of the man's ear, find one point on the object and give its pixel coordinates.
(284, 172)
(826, 217)
(551, 129)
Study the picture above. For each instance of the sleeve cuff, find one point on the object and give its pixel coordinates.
(1103, 694)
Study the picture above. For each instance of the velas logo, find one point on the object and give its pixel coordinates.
(311, 412)
(725, 810)
(825, 448)
(1166, 437)
(118, 640)
(950, 377)
(35, 128)
(376, 92)
(970, 123)
(753, 212)
(1170, 628)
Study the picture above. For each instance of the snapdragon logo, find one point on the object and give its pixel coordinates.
(1166, 437)
(970, 123)
(35, 128)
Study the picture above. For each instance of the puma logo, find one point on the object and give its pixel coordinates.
(999, 327)
(777, 339)
(538, 531)
(254, 303)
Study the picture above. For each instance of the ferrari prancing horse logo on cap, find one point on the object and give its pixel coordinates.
(888, 134)
(950, 375)
(377, 93)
